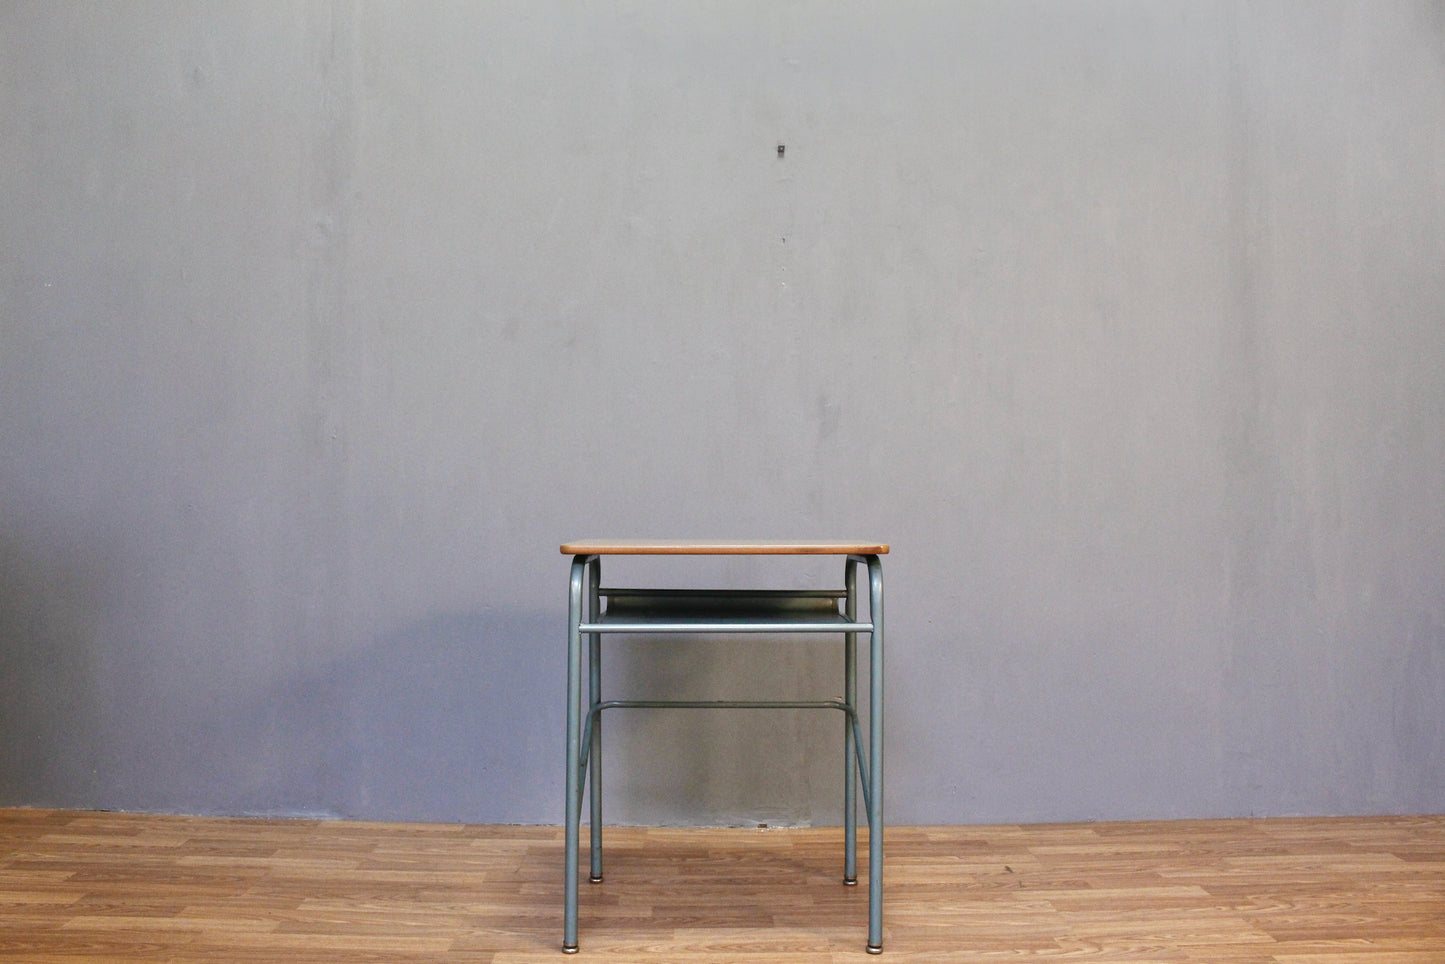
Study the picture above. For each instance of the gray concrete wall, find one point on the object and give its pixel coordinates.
(324, 324)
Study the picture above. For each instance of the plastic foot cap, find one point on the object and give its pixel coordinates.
(569, 948)
(850, 881)
(596, 880)
(875, 948)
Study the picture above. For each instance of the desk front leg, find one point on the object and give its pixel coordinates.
(875, 758)
(594, 686)
(850, 698)
(573, 821)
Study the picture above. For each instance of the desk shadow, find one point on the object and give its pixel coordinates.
(51, 726)
(725, 767)
(457, 718)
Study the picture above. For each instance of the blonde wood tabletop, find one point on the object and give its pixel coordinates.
(719, 547)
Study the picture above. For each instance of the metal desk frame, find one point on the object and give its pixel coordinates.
(695, 612)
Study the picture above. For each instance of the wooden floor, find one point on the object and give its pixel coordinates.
(106, 887)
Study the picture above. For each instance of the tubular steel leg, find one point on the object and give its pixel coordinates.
(594, 778)
(574, 746)
(875, 759)
(850, 697)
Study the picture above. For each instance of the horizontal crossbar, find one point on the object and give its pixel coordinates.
(644, 624)
(833, 704)
(691, 594)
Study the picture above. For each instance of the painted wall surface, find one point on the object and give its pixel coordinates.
(323, 324)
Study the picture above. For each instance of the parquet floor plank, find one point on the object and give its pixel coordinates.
(89, 887)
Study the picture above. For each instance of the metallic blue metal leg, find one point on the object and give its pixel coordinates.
(850, 697)
(595, 693)
(875, 759)
(574, 746)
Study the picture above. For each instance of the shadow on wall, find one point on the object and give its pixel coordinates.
(50, 709)
(459, 718)
(725, 767)
(456, 718)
